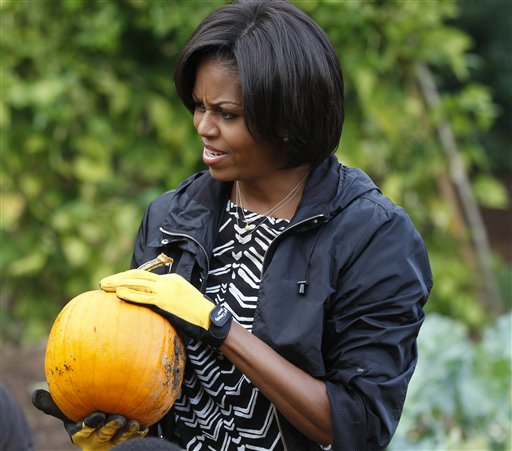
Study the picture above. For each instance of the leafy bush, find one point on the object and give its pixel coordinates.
(460, 395)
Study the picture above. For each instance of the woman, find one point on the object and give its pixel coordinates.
(298, 286)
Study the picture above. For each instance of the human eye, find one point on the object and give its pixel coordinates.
(199, 106)
(228, 115)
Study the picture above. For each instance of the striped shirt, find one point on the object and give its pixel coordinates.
(218, 408)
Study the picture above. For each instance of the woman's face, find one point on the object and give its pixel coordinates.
(229, 150)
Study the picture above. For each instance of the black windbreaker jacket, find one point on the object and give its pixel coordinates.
(341, 295)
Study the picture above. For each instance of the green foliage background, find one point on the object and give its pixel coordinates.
(92, 130)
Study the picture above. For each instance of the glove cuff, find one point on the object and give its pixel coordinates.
(220, 325)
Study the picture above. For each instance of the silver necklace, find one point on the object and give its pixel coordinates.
(249, 226)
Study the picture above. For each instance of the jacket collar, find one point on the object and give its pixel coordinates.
(319, 192)
(330, 188)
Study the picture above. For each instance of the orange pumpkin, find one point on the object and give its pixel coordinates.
(104, 354)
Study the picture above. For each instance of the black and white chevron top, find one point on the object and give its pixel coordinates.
(218, 408)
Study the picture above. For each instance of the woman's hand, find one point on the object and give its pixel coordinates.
(96, 432)
(174, 298)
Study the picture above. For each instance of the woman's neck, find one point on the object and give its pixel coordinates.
(277, 196)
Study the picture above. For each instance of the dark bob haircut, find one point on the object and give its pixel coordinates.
(290, 76)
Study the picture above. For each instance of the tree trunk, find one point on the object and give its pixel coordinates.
(462, 185)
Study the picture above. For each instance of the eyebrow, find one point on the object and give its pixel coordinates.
(220, 102)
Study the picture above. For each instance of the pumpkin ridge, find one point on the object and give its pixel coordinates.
(132, 373)
(156, 393)
(100, 370)
(71, 349)
(81, 346)
(62, 368)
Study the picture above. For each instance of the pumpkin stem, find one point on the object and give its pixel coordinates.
(161, 260)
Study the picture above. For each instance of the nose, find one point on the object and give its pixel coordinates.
(205, 124)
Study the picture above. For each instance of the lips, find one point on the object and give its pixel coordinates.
(212, 153)
(212, 156)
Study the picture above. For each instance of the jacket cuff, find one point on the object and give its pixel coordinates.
(350, 429)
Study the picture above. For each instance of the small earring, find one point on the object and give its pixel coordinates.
(286, 139)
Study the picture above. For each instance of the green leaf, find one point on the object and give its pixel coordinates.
(490, 192)
(12, 207)
(24, 266)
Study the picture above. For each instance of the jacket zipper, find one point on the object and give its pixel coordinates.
(276, 415)
(194, 240)
(279, 236)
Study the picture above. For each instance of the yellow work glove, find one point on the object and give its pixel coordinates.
(96, 432)
(177, 300)
(99, 432)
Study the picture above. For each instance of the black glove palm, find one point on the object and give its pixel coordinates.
(97, 431)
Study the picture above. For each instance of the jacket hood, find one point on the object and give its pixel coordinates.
(332, 187)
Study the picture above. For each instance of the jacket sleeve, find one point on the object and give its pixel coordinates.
(140, 242)
(149, 228)
(372, 326)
